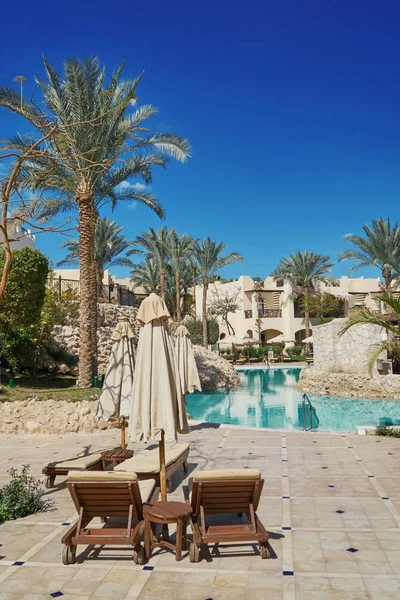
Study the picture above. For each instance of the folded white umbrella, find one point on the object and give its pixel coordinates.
(116, 395)
(188, 373)
(158, 404)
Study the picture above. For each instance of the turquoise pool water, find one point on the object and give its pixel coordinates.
(269, 398)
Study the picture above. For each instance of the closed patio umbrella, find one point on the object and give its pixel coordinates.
(116, 396)
(158, 404)
(188, 373)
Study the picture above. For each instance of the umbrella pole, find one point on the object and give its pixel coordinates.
(123, 426)
(163, 478)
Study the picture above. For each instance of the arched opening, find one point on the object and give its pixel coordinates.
(268, 335)
(222, 336)
(300, 335)
(249, 333)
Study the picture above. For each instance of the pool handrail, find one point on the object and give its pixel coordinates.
(305, 399)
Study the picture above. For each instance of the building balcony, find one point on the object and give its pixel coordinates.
(269, 313)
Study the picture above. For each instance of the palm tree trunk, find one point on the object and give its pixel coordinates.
(306, 316)
(387, 274)
(86, 290)
(178, 296)
(99, 282)
(194, 290)
(204, 310)
(162, 283)
(94, 290)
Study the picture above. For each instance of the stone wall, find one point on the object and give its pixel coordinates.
(348, 353)
(341, 364)
(215, 372)
(349, 385)
(67, 336)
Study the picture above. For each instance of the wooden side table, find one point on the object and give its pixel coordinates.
(165, 513)
(115, 456)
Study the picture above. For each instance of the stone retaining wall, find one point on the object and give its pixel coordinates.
(349, 385)
(215, 372)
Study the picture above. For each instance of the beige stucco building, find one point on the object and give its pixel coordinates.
(275, 304)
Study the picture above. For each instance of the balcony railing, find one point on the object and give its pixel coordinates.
(269, 313)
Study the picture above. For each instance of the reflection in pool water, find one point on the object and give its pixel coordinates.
(269, 398)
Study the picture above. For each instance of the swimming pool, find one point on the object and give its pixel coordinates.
(269, 398)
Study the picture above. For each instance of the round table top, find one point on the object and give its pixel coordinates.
(168, 510)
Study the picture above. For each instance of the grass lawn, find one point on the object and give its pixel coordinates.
(47, 387)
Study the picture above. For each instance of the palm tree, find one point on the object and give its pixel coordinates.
(98, 144)
(156, 244)
(380, 247)
(111, 249)
(180, 248)
(209, 260)
(147, 275)
(366, 315)
(304, 270)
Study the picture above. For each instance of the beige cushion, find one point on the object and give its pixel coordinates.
(148, 461)
(101, 476)
(83, 462)
(146, 487)
(227, 474)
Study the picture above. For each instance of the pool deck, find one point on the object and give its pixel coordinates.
(331, 503)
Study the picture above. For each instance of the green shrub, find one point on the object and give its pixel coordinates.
(387, 431)
(295, 351)
(26, 287)
(195, 328)
(22, 496)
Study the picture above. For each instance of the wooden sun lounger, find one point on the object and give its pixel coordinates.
(223, 492)
(147, 463)
(59, 467)
(106, 494)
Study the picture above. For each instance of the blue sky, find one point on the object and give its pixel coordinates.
(291, 108)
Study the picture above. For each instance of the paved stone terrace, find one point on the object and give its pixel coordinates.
(330, 502)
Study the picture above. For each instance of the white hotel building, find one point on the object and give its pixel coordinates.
(277, 307)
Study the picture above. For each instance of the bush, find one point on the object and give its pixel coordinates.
(387, 431)
(26, 287)
(195, 328)
(295, 351)
(22, 496)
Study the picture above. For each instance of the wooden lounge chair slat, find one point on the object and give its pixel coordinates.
(239, 493)
(106, 496)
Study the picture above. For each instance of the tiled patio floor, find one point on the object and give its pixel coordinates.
(330, 502)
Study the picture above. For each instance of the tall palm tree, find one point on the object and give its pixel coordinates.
(179, 248)
(111, 249)
(209, 260)
(99, 143)
(156, 244)
(147, 275)
(380, 247)
(366, 315)
(304, 270)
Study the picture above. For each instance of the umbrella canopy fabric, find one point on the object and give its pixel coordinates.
(116, 396)
(157, 400)
(189, 375)
(308, 340)
(232, 339)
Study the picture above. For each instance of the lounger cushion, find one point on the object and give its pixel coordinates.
(101, 476)
(83, 462)
(219, 474)
(146, 487)
(148, 461)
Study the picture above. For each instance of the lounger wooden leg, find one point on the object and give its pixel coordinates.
(179, 534)
(184, 535)
(147, 537)
(185, 466)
